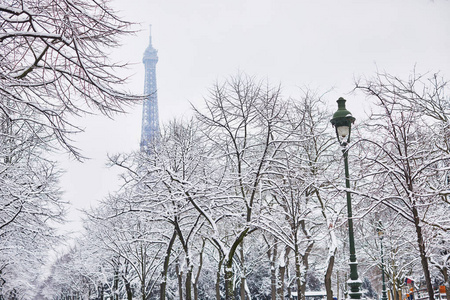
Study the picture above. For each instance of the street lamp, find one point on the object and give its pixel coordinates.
(380, 235)
(342, 121)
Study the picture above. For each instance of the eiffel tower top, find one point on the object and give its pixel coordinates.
(150, 54)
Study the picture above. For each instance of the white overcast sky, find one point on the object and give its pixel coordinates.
(320, 44)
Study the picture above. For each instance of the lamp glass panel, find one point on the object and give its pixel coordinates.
(343, 131)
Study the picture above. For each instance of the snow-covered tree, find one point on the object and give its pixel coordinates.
(246, 199)
(30, 206)
(240, 119)
(164, 184)
(406, 154)
(55, 64)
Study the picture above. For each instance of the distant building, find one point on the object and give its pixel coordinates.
(150, 119)
(313, 295)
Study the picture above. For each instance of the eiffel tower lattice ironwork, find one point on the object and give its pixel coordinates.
(150, 118)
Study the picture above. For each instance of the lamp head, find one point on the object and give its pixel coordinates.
(342, 121)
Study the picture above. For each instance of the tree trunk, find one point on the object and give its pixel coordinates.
(180, 279)
(422, 251)
(101, 292)
(184, 243)
(229, 284)
(446, 282)
(242, 289)
(284, 260)
(195, 291)
(188, 286)
(394, 282)
(303, 286)
(162, 292)
(128, 290)
(229, 289)
(305, 260)
(328, 275)
(280, 287)
(297, 270)
(200, 264)
(338, 292)
(115, 287)
(273, 275)
(127, 284)
(331, 252)
(143, 292)
(394, 292)
(218, 285)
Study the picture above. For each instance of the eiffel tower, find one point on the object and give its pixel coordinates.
(150, 119)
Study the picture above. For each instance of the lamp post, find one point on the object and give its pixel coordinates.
(380, 235)
(342, 121)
